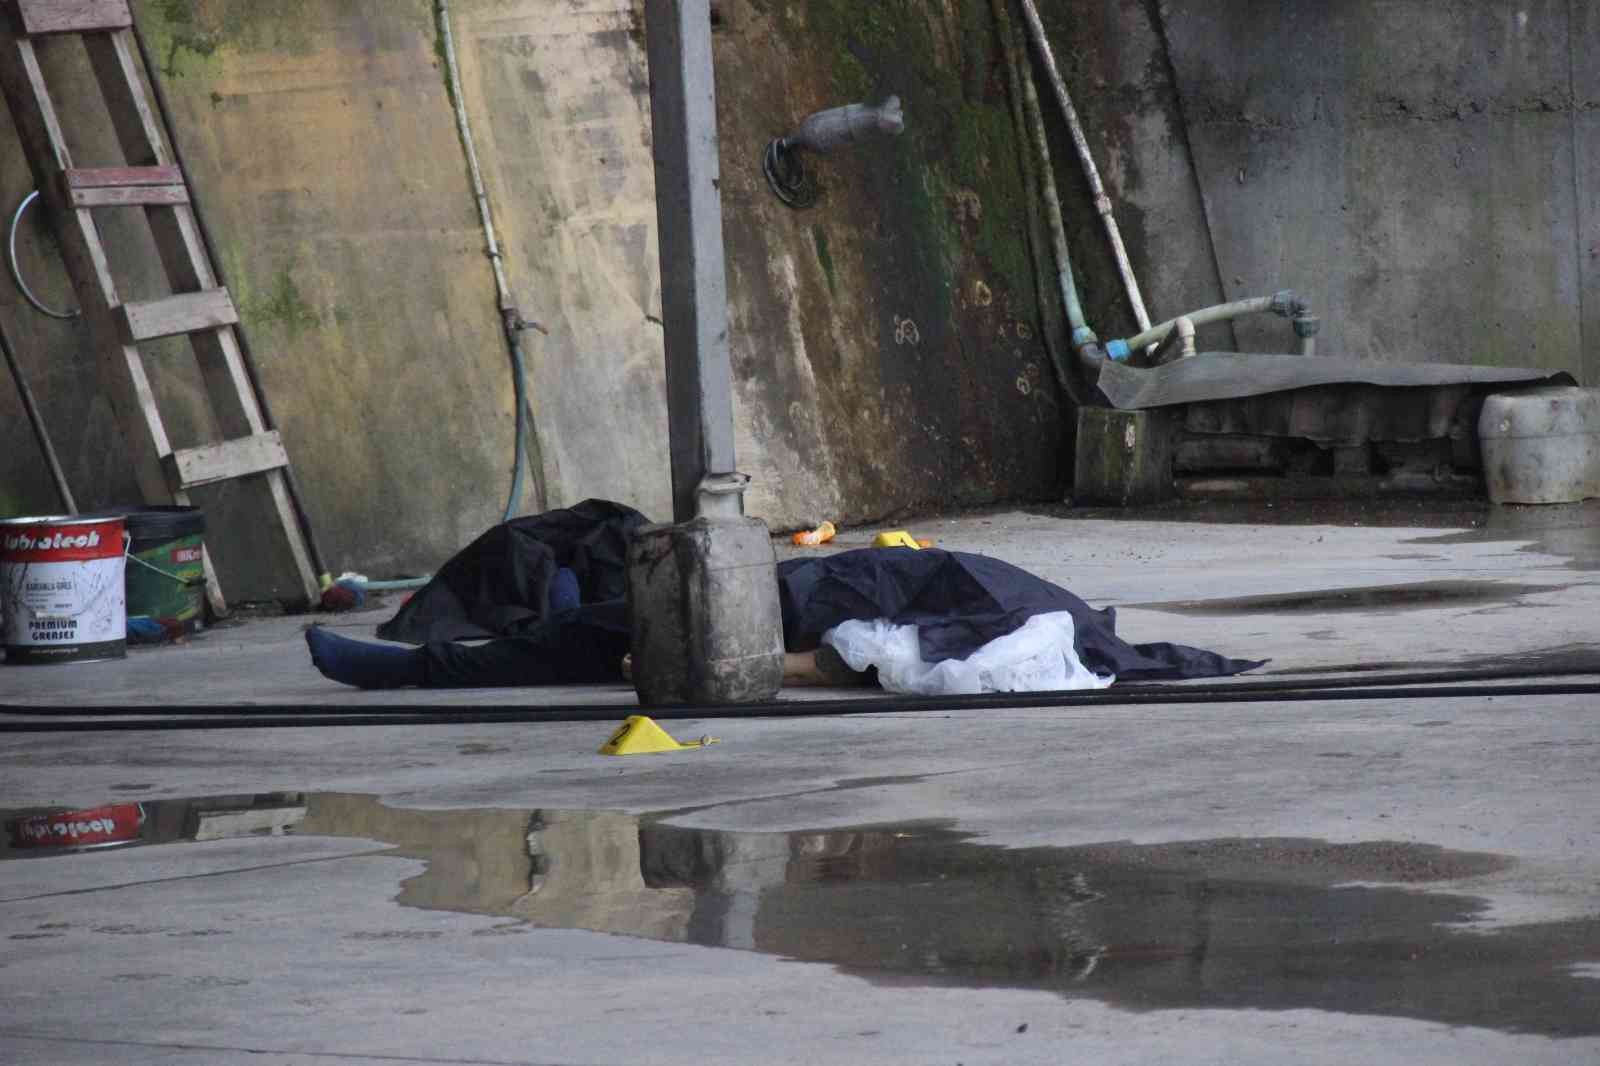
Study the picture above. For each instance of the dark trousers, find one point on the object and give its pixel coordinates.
(579, 646)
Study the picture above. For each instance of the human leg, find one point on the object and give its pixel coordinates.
(364, 664)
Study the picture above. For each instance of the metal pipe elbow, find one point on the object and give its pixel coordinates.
(1185, 329)
(1306, 327)
(839, 127)
(1092, 356)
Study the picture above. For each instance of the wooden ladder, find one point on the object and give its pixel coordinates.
(199, 307)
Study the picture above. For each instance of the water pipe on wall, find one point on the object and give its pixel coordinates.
(511, 321)
(1090, 353)
(1084, 341)
(824, 132)
(1183, 334)
(1012, 46)
(16, 270)
(1284, 304)
(1102, 202)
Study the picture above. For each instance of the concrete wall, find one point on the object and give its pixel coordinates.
(1113, 58)
(885, 346)
(323, 151)
(1423, 173)
(876, 360)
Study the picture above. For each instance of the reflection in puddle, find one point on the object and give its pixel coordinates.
(1569, 530)
(1261, 924)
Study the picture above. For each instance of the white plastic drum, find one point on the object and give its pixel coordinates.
(61, 589)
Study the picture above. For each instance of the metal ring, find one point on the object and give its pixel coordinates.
(787, 175)
(16, 271)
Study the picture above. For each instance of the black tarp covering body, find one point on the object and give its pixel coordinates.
(498, 586)
(959, 602)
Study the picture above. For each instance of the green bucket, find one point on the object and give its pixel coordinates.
(165, 575)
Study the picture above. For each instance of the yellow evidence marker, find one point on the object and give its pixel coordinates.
(639, 735)
(899, 538)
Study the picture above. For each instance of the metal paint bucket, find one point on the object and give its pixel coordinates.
(61, 589)
(63, 831)
(166, 576)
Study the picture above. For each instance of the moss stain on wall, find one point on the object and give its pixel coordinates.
(280, 305)
(955, 167)
(819, 237)
(928, 274)
(185, 35)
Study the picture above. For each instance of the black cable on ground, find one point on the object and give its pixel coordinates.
(271, 716)
(1115, 696)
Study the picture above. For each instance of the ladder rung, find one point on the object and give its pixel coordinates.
(188, 468)
(129, 196)
(118, 186)
(110, 177)
(40, 17)
(188, 312)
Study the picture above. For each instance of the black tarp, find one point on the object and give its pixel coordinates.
(498, 586)
(959, 602)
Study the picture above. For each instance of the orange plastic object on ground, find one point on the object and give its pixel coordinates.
(821, 535)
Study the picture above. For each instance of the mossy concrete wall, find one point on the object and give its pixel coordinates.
(323, 151)
(885, 342)
(1425, 175)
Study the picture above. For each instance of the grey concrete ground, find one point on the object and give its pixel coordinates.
(1316, 881)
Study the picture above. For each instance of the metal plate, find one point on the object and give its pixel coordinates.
(1233, 375)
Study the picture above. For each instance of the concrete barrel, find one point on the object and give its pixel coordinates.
(1542, 445)
(703, 606)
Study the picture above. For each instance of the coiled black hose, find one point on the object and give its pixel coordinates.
(1444, 685)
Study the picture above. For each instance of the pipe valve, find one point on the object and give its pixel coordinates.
(1286, 304)
(823, 132)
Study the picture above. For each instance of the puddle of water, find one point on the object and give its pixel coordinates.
(1565, 659)
(1398, 512)
(1274, 924)
(1418, 595)
(1570, 530)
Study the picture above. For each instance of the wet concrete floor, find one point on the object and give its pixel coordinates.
(1266, 924)
(1570, 530)
(1419, 595)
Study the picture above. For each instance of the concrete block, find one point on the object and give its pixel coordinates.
(1541, 446)
(1124, 457)
(703, 606)
(1209, 453)
(1353, 461)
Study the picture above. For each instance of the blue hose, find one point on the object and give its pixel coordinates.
(520, 389)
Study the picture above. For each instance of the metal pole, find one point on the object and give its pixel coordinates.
(703, 591)
(36, 420)
(694, 293)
